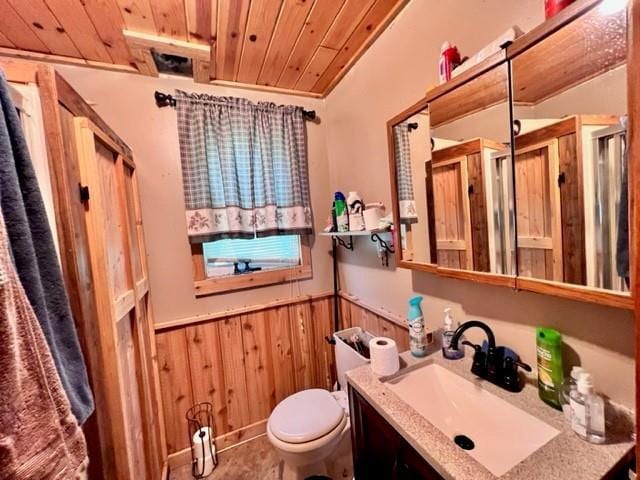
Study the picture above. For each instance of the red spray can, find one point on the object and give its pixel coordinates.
(449, 59)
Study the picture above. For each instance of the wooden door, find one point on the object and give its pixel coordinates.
(538, 214)
(116, 250)
(478, 218)
(452, 214)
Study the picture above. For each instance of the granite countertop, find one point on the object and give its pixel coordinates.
(566, 456)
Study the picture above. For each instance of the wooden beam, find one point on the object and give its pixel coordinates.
(172, 46)
(49, 58)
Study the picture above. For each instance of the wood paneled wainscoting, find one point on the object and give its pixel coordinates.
(246, 361)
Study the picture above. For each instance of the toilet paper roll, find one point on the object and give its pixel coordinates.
(384, 356)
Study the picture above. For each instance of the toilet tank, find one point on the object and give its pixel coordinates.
(347, 358)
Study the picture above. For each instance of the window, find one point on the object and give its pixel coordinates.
(234, 264)
(241, 256)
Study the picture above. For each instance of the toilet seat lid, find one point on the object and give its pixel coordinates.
(305, 416)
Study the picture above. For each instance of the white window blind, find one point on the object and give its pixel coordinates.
(267, 253)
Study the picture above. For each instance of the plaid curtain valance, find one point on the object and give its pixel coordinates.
(406, 199)
(244, 167)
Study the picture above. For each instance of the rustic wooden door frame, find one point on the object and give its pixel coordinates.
(461, 163)
(551, 146)
(633, 166)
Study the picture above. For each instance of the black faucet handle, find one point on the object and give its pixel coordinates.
(511, 363)
(475, 347)
(511, 380)
(522, 365)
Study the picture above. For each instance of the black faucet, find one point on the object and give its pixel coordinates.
(493, 365)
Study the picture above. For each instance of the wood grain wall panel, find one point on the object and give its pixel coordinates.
(292, 18)
(177, 396)
(281, 352)
(18, 31)
(303, 345)
(322, 318)
(128, 358)
(371, 21)
(572, 211)
(234, 372)
(319, 63)
(201, 20)
(107, 21)
(258, 363)
(45, 26)
(207, 372)
(478, 214)
(170, 18)
(232, 21)
(137, 15)
(345, 314)
(246, 364)
(263, 15)
(80, 29)
(320, 19)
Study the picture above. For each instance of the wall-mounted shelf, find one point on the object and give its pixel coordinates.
(374, 234)
(338, 238)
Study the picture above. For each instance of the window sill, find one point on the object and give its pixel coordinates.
(212, 286)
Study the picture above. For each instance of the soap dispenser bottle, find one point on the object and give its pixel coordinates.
(587, 411)
(447, 335)
(415, 318)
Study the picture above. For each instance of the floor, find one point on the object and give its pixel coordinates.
(255, 459)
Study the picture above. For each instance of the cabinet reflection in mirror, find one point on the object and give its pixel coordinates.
(411, 149)
(472, 176)
(569, 94)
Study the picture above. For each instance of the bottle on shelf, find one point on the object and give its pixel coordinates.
(341, 213)
(356, 208)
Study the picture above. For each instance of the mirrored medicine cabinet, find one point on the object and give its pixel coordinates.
(515, 172)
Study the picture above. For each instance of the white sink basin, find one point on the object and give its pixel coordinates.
(503, 434)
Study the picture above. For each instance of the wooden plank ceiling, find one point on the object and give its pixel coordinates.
(300, 46)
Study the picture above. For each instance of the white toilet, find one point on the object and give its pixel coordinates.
(311, 429)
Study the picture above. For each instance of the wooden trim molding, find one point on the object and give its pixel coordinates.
(182, 322)
(211, 286)
(61, 60)
(379, 311)
(633, 145)
(575, 292)
(478, 277)
(223, 442)
(542, 31)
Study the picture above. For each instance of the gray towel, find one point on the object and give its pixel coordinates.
(35, 258)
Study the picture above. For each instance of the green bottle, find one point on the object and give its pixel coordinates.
(550, 373)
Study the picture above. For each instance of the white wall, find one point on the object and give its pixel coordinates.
(126, 103)
(393, 74)
(348, 151)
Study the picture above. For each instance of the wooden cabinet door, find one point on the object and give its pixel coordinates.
(538, 214)
(116, 250)
(374, 442)
(452, 214)
(378, 449)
